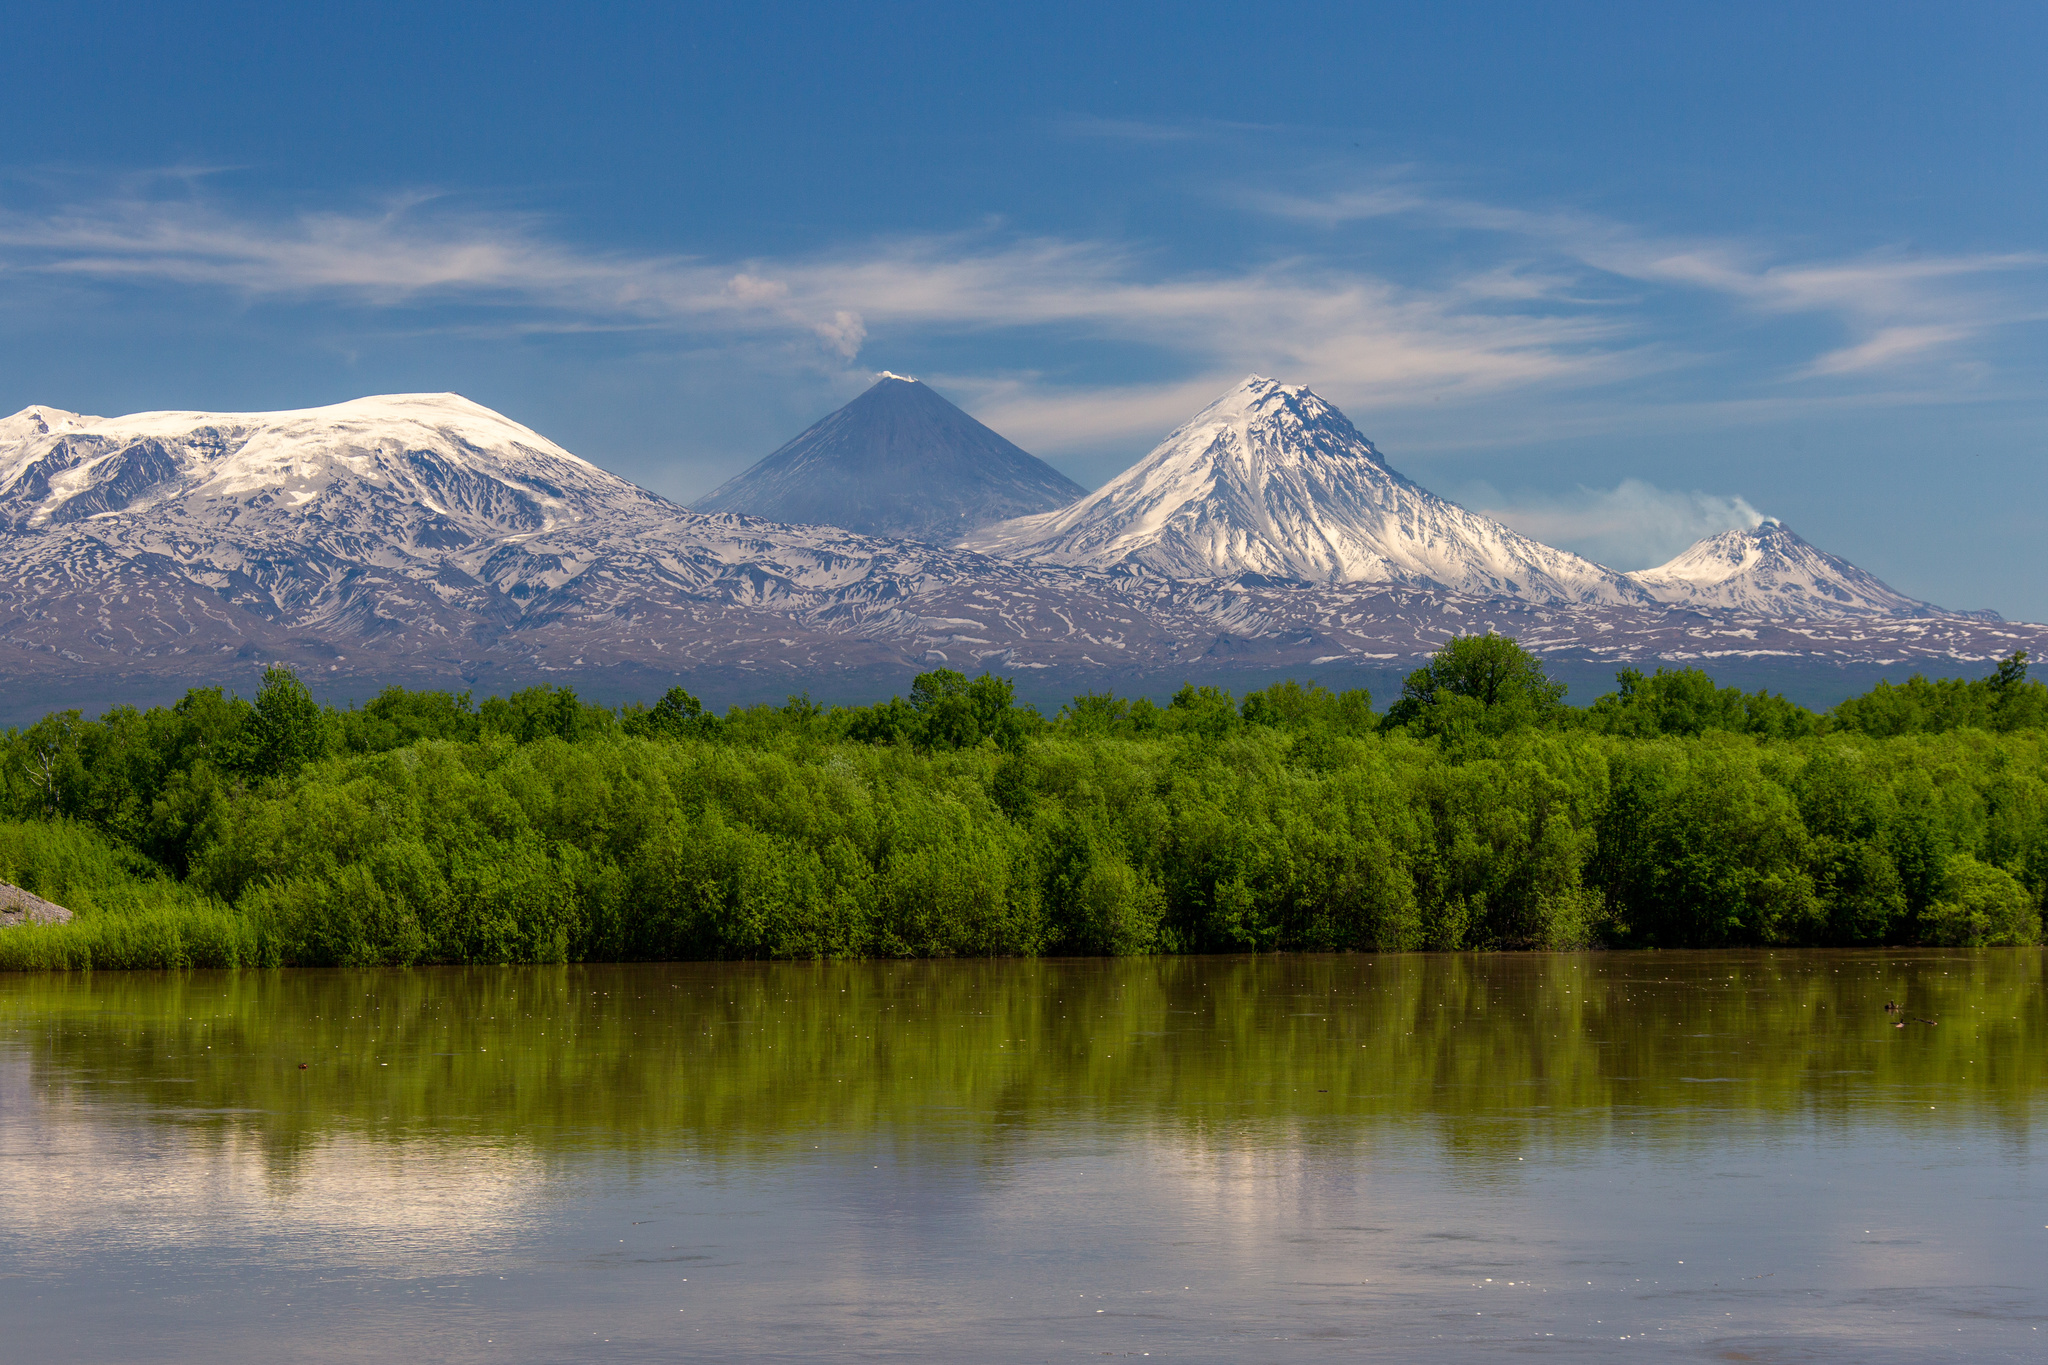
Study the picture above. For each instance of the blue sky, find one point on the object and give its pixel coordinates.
(1620, 274)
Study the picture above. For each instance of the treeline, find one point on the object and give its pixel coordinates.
(1478, 811)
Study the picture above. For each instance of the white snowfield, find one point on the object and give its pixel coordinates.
(1271, 479)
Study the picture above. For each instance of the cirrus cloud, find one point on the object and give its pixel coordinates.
(1568, 303)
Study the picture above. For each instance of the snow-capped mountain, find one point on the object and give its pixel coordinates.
(416, 470)
(1270, 479)
(350, 518)
(1771, 570)
(425, 532)
(424, 539)
(897, 461)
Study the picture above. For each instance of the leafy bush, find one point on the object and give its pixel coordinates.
(1981, 907)
(1481, 812)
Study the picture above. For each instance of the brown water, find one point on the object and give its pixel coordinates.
(1686, 1156)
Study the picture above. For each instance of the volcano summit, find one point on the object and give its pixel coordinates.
(1270, 479)
(897, 461)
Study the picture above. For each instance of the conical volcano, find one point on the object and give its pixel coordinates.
(1271, 479)
(897, 461)
(1772, 571)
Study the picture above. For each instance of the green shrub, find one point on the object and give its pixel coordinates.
(1981, 907)
(1483, 813)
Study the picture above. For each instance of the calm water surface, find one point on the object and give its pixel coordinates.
(1685, 1156)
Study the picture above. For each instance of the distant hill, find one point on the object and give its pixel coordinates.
(897, 461)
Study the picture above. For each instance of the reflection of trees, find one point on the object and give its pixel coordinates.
(1491, 1052)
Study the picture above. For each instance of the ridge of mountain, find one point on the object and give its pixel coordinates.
(1271, 479)
(416, 467)
(899, 460)
(424, 539)
(1771, 570)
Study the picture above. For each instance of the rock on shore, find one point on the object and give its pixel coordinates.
(19, 907)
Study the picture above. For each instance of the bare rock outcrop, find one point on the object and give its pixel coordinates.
(18, 907)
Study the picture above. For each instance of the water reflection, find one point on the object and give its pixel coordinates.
(1209, 1158)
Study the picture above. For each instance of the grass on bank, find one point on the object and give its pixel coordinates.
(126, 912)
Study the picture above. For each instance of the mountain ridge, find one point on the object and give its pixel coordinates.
(429, 540)
(441, 453)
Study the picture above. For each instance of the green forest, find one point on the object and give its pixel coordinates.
(1479, 810)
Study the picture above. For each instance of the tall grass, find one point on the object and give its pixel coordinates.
(126, 914)
(206, 934)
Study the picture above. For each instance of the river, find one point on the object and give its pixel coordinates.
(1689, 1156)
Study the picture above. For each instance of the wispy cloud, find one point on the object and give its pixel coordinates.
(1150, 132)
(1361, 332)
(1565, 305)
(1634, 525)
(1894, 309)
(405, 253)
(1887, 346)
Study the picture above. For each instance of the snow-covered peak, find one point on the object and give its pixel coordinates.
(1772, 570)
(1271, 420)
(414, 455)
(39, 421)
(1272, 479)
